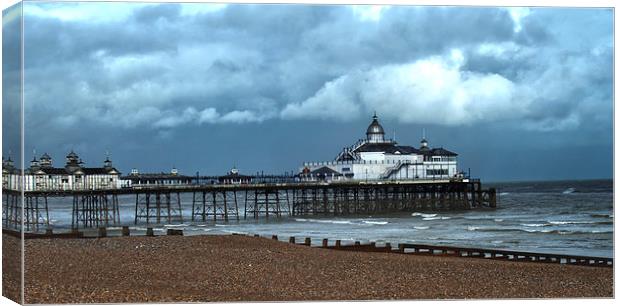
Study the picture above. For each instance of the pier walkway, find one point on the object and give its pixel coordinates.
(211, 202)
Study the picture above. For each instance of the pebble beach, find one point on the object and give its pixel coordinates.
(241, 268)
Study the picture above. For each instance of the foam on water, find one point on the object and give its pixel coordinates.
(417, 214)
(436, 218)
(376, 222)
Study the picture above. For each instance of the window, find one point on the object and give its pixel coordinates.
(346, 169)
(65, 180)
(436, 171)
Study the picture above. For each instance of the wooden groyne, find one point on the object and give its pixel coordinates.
(357, 246)
(157, 204)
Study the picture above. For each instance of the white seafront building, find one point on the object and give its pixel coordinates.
(377, 158)
(43, 176)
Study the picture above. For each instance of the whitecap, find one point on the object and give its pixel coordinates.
(421, 227)
(472, 228)
(436, 218)
(571, 222)
(415, 214)
(534, 224)
(504, 193)
(376, 222)
(498, 220)
(569, 190)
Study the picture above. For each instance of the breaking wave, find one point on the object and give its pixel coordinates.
(415, 214)
(324, 221)
(436, 218)
(569, 190)
(550, 231)
(376, 222)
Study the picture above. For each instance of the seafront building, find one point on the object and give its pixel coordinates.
(42, 175)
(372, 158)
(135, 179)
(377, 158)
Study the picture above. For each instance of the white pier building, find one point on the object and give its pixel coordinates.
(43, 176)
(377, 158)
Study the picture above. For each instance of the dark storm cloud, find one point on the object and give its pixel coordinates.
(164, 69)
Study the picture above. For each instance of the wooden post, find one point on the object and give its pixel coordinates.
(291, 240)
(125, 231)
(102, 232)
(307, 241)
(401, 248)
(149, 231)
(274, 237)
(338, 243)
(325, 242)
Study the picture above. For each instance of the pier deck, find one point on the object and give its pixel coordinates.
(209, 202)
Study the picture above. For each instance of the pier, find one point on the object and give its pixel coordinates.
(216, 202)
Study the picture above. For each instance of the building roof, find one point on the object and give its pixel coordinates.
(162, 175)
(235, 176)
(392, 148)
(375, 127)
(325, 171)
(440, 152)
(387, 147)
(63, 171)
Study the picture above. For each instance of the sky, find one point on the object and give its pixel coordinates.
(518, 93)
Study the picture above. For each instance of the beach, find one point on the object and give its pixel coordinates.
(209, 268)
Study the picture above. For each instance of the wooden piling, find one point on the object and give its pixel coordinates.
(325, 243)
(102, 232)
(307, 241)
(125, 231)
(291, 240)
(149, 232)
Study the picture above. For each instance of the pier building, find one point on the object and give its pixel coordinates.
(42, 175)
(378, 158)
(173, 178)
(233, 177)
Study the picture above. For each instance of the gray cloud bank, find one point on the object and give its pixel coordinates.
(160, 67)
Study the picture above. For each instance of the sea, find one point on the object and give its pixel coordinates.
(560, 217)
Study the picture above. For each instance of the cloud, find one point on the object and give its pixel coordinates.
(169, 65)
(432, 90)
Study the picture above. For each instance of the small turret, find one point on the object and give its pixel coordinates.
(423, 144)
(45, 161)
(34, 164)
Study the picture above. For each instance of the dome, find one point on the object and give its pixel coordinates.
(375, 127)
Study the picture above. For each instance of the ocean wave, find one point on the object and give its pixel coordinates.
(175, 225)
(498, 220)
(436, 218)
(376, 222)
(602, 215)
(324, 221)
(504, 193)
(535, 224)
(534, 231)
(415, 214)
(421, 227)
(569, 190)
(579, 222)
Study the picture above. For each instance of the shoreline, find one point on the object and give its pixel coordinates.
(241, 268)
